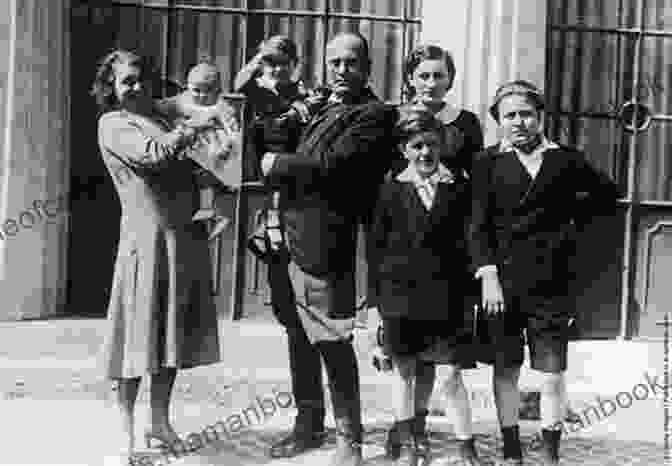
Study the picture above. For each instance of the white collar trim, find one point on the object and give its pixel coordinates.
(410, 175)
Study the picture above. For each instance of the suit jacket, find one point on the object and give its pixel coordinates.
(526, 227)
(333, 178)
(420, 261)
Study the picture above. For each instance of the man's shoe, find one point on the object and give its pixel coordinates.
(297, 443)
(349, 444)
(509, 462)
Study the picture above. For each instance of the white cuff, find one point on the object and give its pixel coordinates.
(485, 269)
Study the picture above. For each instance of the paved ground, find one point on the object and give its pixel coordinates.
(55, 410)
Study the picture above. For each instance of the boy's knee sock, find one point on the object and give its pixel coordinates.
(511, 436)
(552, 403)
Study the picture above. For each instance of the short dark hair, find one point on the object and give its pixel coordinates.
(413, 120)
(421, 53)
(279, 44)
(103, 84)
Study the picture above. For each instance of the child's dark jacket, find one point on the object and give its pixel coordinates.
(527, 227)
(420, 259)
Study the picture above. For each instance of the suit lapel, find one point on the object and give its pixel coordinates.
(518, 181)
(321, 124)
(416, 209)
(445, 194)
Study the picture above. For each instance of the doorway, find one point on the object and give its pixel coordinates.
(609, 85)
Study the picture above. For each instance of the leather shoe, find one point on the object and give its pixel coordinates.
(509, 462)
(297, 443)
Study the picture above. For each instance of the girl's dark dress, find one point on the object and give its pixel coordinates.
(421, 270)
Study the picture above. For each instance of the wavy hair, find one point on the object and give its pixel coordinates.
(103, 84)
(421, 53)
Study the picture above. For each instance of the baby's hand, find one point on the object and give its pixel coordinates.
(202, 121)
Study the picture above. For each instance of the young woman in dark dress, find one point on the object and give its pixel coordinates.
(429, 73)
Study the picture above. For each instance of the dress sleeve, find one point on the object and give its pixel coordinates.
(480, 225)
(473, 140)
(129, 142)
(377, 241)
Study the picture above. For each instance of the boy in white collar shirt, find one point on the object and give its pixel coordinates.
(420, 271)
(529, 195)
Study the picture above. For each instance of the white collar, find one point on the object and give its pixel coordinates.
(506, 146)
(447, 114)
(441, 175)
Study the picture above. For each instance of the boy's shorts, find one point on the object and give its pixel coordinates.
(502, 337)
(427, 340)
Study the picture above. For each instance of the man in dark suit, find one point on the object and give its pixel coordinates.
(332, 181)
(529, 195)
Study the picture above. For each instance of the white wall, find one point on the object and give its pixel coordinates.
(492, 41)
(34, 177)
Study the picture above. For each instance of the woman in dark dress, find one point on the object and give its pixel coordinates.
(429, 73)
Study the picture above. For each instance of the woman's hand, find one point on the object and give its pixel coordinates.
(492, 295)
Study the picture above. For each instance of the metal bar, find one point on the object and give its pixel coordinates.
(404, 39)
(295, 13)
(604, 115)
(620, 31)
(667, 403)
(240, 234)
(244, 30)
(654, 203)
(166, 53)
(326, 12)
(626, 276)
(240, 218)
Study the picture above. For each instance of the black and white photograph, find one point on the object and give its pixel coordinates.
(335, 232)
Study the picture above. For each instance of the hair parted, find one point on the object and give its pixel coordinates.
(103, 84)
(421, 53)
(413, 120)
